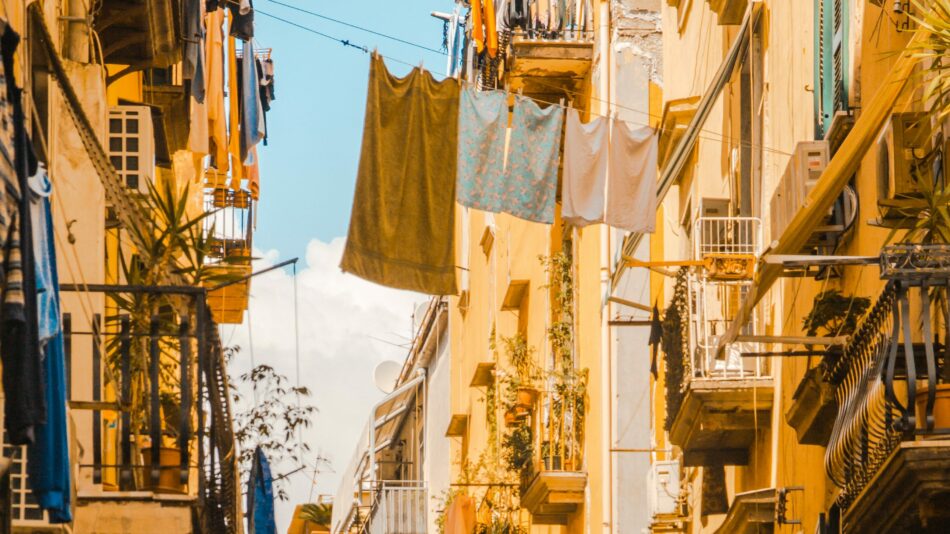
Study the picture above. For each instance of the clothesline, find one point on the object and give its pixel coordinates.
(712, 136)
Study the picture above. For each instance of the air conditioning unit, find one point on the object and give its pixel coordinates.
(904, 140)
(801, 175)
(132, 146)
(663, 482)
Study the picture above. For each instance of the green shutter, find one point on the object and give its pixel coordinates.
(831, 61)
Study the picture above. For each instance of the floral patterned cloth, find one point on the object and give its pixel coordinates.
(531, 172)
(483, 119)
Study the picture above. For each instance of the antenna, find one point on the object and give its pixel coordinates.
(386, 374)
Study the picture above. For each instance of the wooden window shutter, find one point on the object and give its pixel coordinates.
(831, 62)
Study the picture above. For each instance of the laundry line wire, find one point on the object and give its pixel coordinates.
(361, 28)
(710, 135)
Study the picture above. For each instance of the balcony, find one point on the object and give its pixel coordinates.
(716, 402)
(230, 226)
(148, 392)
(399, 507)
(550, 60)
(140, 33)
(552, 488)
(889, 448)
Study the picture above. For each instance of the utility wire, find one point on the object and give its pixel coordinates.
(710, 135)
(367, 30)
(344, 42)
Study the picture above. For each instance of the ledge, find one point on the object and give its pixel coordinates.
(910, 493)
(717, 419)
(752, 512)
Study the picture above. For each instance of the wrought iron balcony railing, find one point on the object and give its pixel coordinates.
(143, 368)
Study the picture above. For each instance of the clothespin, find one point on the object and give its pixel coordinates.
(562, 102)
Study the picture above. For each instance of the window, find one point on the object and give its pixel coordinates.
(831, 62)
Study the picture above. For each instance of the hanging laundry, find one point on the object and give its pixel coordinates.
(483, 120)
(460, 516)
(217, 122)
(484, 32)
(262, 93)
(48, 457)
(585, 170)
(48, 311)
(533, 156)
(242, 17)
(23, 381)
(402, 228)
(252, 172)
(454, 41)
(252, 114)
(631, 178)
(234, 115)
(193, 59)
(260, 497)
(268, 95)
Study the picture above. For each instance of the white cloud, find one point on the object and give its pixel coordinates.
(342, 322)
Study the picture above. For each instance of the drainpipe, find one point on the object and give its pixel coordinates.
(603, 93)
(418, 379)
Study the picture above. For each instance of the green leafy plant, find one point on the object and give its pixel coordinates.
(272, 422)
(173, 241)
(835, 314)
(932, 53)
(518, 447)
(317, 513)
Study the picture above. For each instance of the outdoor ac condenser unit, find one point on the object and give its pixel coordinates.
(801, 175)
(664, 488)
(132, 146)
(902, 146)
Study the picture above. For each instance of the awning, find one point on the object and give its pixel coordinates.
(832, 181)
(680, 155)
(752, 512)
(389, 417)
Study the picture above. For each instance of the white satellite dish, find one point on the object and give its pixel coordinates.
(386, 374)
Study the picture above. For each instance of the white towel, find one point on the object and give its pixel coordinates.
(631, 178)
(585, 170)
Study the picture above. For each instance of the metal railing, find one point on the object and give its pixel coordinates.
(714, 303)
(544, 20)
(886, 378)
(731, 236)
(173, 347)
(399, 507)
(862, 437)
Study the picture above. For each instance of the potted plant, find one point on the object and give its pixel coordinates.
(172, 238)
(521, 359)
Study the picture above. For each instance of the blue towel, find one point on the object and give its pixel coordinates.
(533, 157)
(260, 497)
(483, 119)
(48, 457)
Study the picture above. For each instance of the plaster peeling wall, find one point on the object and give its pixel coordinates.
(637, 29)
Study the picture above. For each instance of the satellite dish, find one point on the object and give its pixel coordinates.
(386, 374)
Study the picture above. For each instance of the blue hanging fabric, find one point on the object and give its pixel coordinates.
(260, 497)
(48, 457)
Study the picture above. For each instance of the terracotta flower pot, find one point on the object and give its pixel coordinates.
(511, 418)
(169, 475)
(527, 397)
(941, 410)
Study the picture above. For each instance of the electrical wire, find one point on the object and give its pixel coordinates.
(710, 135)
(350, 25)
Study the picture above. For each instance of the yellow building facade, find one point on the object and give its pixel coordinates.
(108, 114)
(797, 266)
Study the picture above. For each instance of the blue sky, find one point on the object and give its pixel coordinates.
(308, 169)
(308, 173)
